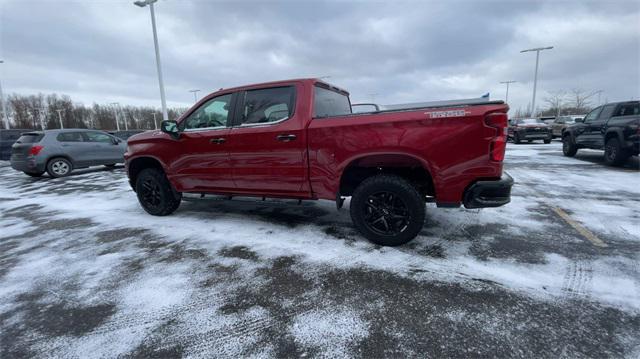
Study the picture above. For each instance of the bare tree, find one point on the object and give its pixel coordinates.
(556, 101)
(582, 99)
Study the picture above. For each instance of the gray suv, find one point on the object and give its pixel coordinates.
(58, 152)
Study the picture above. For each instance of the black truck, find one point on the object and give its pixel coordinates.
(614, 127)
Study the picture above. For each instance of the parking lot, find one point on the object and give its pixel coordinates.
(85, 272)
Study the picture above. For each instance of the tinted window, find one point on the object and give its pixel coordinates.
(268, 105)
(330, 103)
(607, 111)
(628, 109)
(214, 113)
(30, 138)
(70, 137)
(98, 137)
(592, 115)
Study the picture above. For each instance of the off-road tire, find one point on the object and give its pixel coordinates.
(59, 167)
(155, 194)
(614, 154)
(569, 147)
(404, 192)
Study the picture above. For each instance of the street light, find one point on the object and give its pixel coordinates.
(115, 111)
(599, 92)
(506, 99)
(535, 77)
(60, 118)
(143, 3)
(4, 109)
(195, 95)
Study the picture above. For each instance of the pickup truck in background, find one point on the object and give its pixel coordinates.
(299, 139)
(614, 127)
(529, 129)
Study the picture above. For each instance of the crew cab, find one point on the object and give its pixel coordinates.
(299, 139)
(614, 127)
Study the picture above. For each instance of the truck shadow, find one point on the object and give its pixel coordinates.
(595, 157)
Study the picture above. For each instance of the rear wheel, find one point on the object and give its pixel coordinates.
(155, 193)
(547, 141)
(387, 210)
(614, 154)
(35, 174)
(569, 147)
(59, 167)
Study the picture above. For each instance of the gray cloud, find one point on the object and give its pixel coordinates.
(400, 51)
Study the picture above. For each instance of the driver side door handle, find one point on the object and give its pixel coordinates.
(218, 141)
(286, 137)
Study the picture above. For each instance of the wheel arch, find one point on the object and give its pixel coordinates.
(409, 166)
(137, 164)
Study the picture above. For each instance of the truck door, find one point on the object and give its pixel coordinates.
(203, 161)
(582, 131)
(267, 143)
(595, 129)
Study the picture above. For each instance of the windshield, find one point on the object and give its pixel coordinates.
(529, 121)
(30, 138)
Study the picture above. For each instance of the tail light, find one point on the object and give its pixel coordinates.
(497, 120)
(35, 150)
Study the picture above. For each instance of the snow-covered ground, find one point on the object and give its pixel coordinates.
(85, 272)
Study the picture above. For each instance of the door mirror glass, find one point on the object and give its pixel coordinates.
(170, 127)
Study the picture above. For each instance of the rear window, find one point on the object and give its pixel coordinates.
(328, 103)
(70, 137)
(30, 138)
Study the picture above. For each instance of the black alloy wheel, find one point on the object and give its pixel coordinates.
(386, 214)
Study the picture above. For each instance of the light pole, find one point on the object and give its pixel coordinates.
(115, 111)
(60, 118)
(599, 92)
(506, 98)
(143, 3)
(155, 124)
(4, 109)
(195, 95)
(535, 76)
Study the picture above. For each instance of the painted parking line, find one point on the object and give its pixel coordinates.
(580, 228)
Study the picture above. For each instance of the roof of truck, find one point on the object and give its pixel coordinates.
(311, 80)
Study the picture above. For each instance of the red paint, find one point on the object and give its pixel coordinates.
(456, 151)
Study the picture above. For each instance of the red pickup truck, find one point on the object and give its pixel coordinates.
(299, 139)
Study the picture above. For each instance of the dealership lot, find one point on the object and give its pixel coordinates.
(85, 272)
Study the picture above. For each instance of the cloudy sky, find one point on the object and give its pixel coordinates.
(391, 51)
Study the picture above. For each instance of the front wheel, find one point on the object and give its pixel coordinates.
(155, 193)
(387, 210)
(614, 154)
(569, 148)
(547, 141)
(516, 138)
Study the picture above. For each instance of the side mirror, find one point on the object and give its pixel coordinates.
(170, 127)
